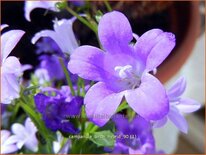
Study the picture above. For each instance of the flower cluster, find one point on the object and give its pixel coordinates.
(74, 84)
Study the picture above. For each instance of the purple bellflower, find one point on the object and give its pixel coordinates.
(11, 68)
(122, 70)
(52, 65)
(31, 5)
(133, 137)
(63, 35)
(8, 143)
(49, 60)
(47, 45)
(178, 106)
(56, 111)
(25, 135)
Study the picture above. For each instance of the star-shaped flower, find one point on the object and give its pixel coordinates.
(178, 106)
(25, 135)
(122, 70)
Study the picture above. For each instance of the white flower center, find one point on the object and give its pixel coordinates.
(128, 76)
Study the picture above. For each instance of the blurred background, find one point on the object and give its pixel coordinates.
(186, 19)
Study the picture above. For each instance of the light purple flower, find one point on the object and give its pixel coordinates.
(57, 145)
(63, 35)
(31, 5)
(25, 135)
(178, 106)
(8, 144)
(122, 71)
(42, 75)
(11, 68)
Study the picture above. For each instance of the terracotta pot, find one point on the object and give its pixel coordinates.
(186, 26)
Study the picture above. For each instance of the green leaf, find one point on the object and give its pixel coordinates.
(103, 138)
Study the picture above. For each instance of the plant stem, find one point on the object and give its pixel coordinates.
(67, 76)
(94, 129)
(83, 120)
(37, 121)
(83, 87)
(78, 86)
(82, 19)
(108, 6)
(122, 106)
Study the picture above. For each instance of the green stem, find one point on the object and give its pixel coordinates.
(108, 6)
(130, 113)
(83, 87)
(67, 76)
(122, 106)
(78, 86)
(94, 129)
(15, 111)
(83, 120)
(37, 121)
(82, 19)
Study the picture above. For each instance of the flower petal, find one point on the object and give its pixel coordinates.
(67, 127)
(64, 28)
(4, 135)
(12, 65)
(9, 41)
(141, 125)
(41, 102)
(63, 35)
(53, 66)
(160, 51)
(187, 105)
(45, 33)
(3, 26)
(8, 149)
(72, 108)
(31, 5)
(10, 85)
(160, 123)
(178, 120)
(87, 62)
(18, 130)
(121, 122)
(11, 140)
(101, 103)
(177, 89)
(26, 67)
(149, 100)
(30, 127)
(56, 146)
(32, 143)
(115, 32)
(154, 46)
(65, 147)
(147, 41)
